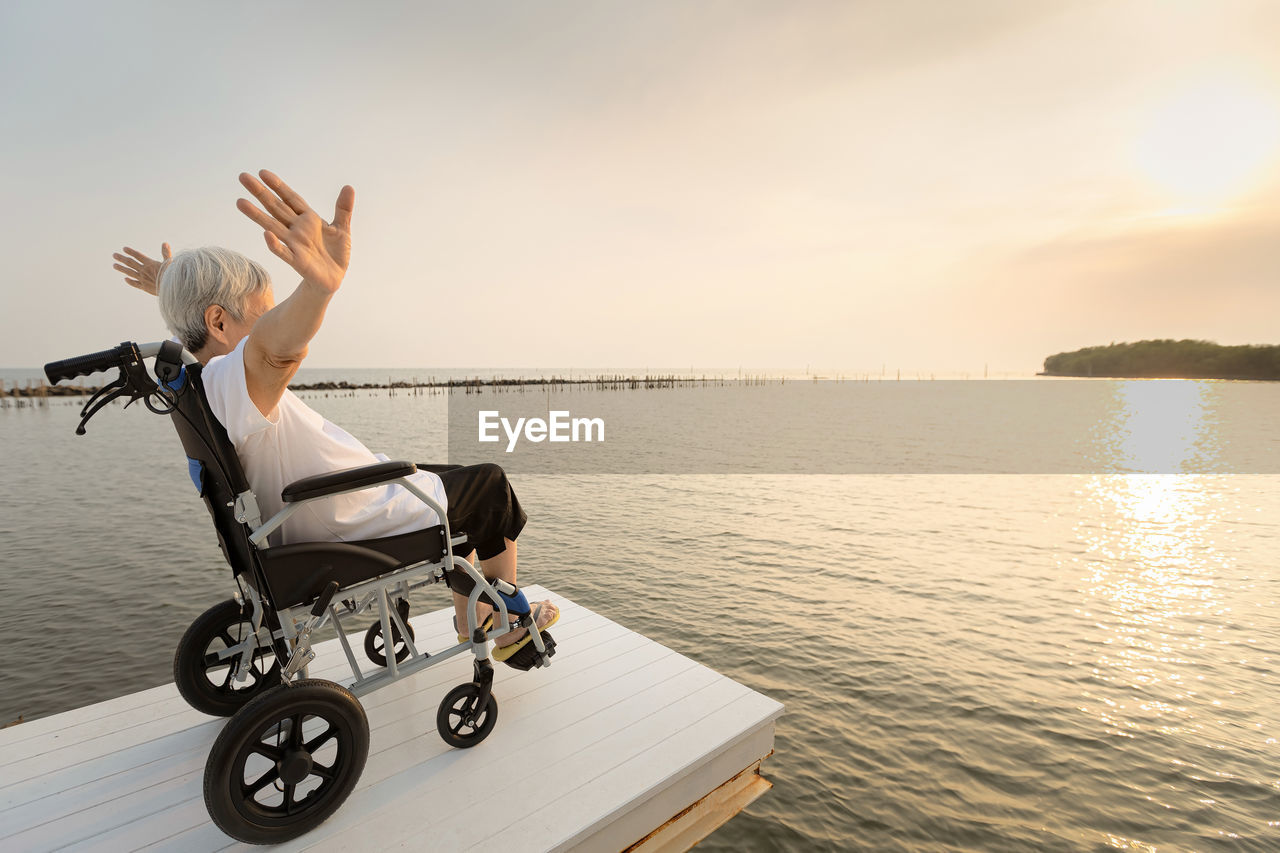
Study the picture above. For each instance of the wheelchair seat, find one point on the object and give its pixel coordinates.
(298, 573)
(286, 575)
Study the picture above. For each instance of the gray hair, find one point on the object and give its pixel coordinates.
(198, 278)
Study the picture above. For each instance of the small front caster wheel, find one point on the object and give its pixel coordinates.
(460, 722)
(286, 761)
(375, 648)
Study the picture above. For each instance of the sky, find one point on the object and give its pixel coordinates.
(857, 186)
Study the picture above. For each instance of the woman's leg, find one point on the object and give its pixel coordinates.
(460, 617)
(499, 567)
(483, 505)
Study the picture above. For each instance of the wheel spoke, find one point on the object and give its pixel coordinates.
(276, 730)
(288, 797)
(295, 730)
(214, 673)
(462, 719)
(267, 751)
(322, 738)
(261, 782)
(255, 672)
(324, 772)
(226, 637)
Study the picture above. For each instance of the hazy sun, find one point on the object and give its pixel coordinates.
(1210, 140)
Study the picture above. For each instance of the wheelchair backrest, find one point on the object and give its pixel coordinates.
(213, 465)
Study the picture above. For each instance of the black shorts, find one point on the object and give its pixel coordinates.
(482, 505)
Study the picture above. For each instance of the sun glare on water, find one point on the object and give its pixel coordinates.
(1210, 142)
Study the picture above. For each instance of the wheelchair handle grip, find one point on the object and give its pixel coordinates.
(325, 597)
(82, 365)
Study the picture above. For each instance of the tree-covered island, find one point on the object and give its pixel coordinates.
(1168, 359)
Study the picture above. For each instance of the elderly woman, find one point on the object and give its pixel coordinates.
(220, 306)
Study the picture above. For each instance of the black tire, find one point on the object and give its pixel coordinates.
(277, 744)
(373, 646)
(207, 683)
(451, 717)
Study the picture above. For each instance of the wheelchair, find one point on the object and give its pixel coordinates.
(294, 747)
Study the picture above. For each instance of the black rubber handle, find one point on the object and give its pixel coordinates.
(325, 597)
(82, 365)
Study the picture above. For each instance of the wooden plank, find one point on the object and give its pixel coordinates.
(118, 793)
(116, 715)
(528, 759)
(619, 735)
(704, 817)
(624, 826)
(410, 774)
(423, 755)
(65, 719)
(643, 758)
(98, 751)
(431, 623)
(393, 724)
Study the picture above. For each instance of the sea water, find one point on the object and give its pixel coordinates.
(968, 661)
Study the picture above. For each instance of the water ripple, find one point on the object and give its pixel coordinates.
(989, 663)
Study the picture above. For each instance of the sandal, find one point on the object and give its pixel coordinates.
(502, 653)
(529, 657)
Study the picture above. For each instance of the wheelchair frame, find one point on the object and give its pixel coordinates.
(376, 592)
(283, 710)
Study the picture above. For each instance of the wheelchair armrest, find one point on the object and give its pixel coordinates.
(345, 480)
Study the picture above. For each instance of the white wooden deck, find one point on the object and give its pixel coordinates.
(626, 739)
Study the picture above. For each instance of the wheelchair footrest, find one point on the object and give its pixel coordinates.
(529, 656)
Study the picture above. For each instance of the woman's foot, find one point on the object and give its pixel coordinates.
(546, 615)
(486, 624)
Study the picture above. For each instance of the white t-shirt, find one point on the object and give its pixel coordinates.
(295, 441)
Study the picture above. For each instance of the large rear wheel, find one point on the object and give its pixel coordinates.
(286, 761)
(209, 681)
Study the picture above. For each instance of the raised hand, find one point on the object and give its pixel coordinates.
(318, 251)
(139, 270)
